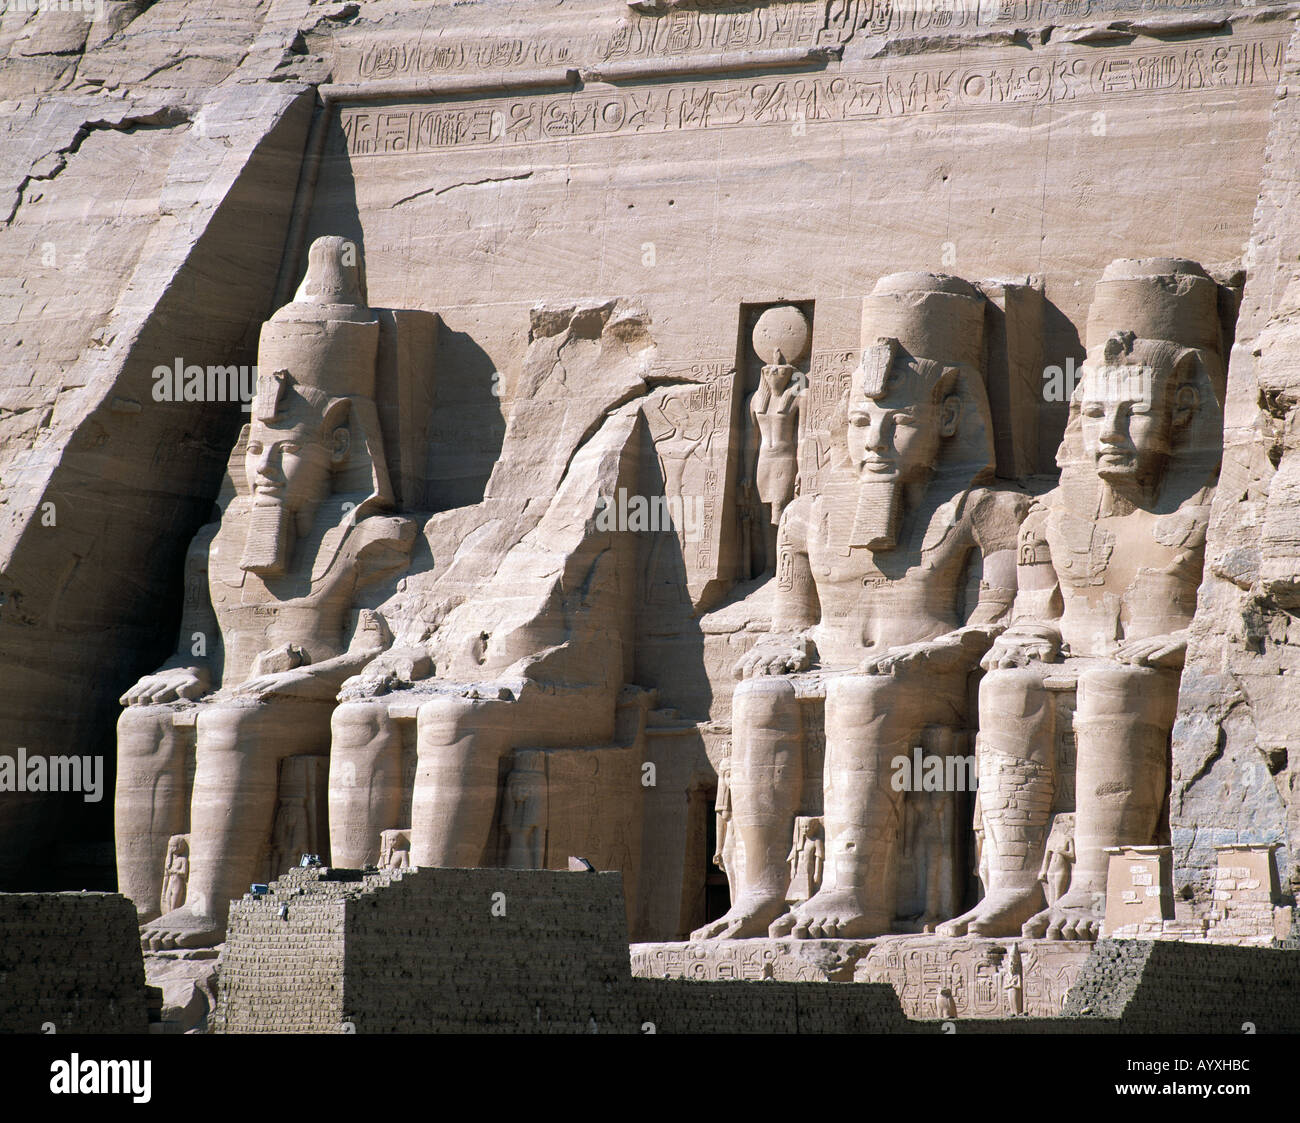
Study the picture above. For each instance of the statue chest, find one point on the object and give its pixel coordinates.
(930, 553)
(1121, 555)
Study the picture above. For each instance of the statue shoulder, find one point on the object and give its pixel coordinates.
(996, 516)
(1185, 528)
(373, 544)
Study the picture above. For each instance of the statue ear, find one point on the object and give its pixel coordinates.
(949, 412)
(335, 427)
(1186, 397)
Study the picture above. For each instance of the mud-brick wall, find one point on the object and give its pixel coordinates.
(428, 950)
(1164, 986)
(71, 961)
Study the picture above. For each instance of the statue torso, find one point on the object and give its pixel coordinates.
(1127, 575)
(880, 599)
(309, 606)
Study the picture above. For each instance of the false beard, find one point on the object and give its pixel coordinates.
(880, 510)
(266, 548)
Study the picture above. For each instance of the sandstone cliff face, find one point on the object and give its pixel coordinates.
(1235, 749)
(166, 165)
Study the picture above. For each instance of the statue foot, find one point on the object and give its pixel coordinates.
(184, 927)
(1071, 918)
(747, 918)
(1001, 912)
(831, 914)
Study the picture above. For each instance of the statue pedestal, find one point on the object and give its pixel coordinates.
(975, 971)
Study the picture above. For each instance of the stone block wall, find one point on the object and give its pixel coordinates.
(71, 961)
(684, 1006)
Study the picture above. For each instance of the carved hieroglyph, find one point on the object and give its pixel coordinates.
(270, 635)
(1108, 567)
(871, 576)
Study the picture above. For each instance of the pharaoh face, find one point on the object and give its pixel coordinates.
(289, 466)
(896, 437)
(1127, 420)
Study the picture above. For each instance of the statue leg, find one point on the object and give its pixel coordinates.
(871, 721)
(1121, 727)
(1015, 754)
(365, 785)
(460, 743)
(151, 802)
(235, 782)
(766, 786)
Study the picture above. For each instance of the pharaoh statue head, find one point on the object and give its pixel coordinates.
(1146, 410)
(394, 848)
(917, 406)
(314, 431)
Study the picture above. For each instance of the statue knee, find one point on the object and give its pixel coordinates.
(482, 725)
(142, 731)
(355, 725)
(137, 721)
(1012, 694)
(232, 728)
(765, 701)
(863, 698)
(1121, 688)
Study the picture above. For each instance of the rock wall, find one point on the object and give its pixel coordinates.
(148, 187)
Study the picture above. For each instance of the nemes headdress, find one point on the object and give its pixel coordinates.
(932, 321)
(317, 357)
(923, 339)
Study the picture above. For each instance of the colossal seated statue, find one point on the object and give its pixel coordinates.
(871, 614)
(1109, 564)
(271, 612)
